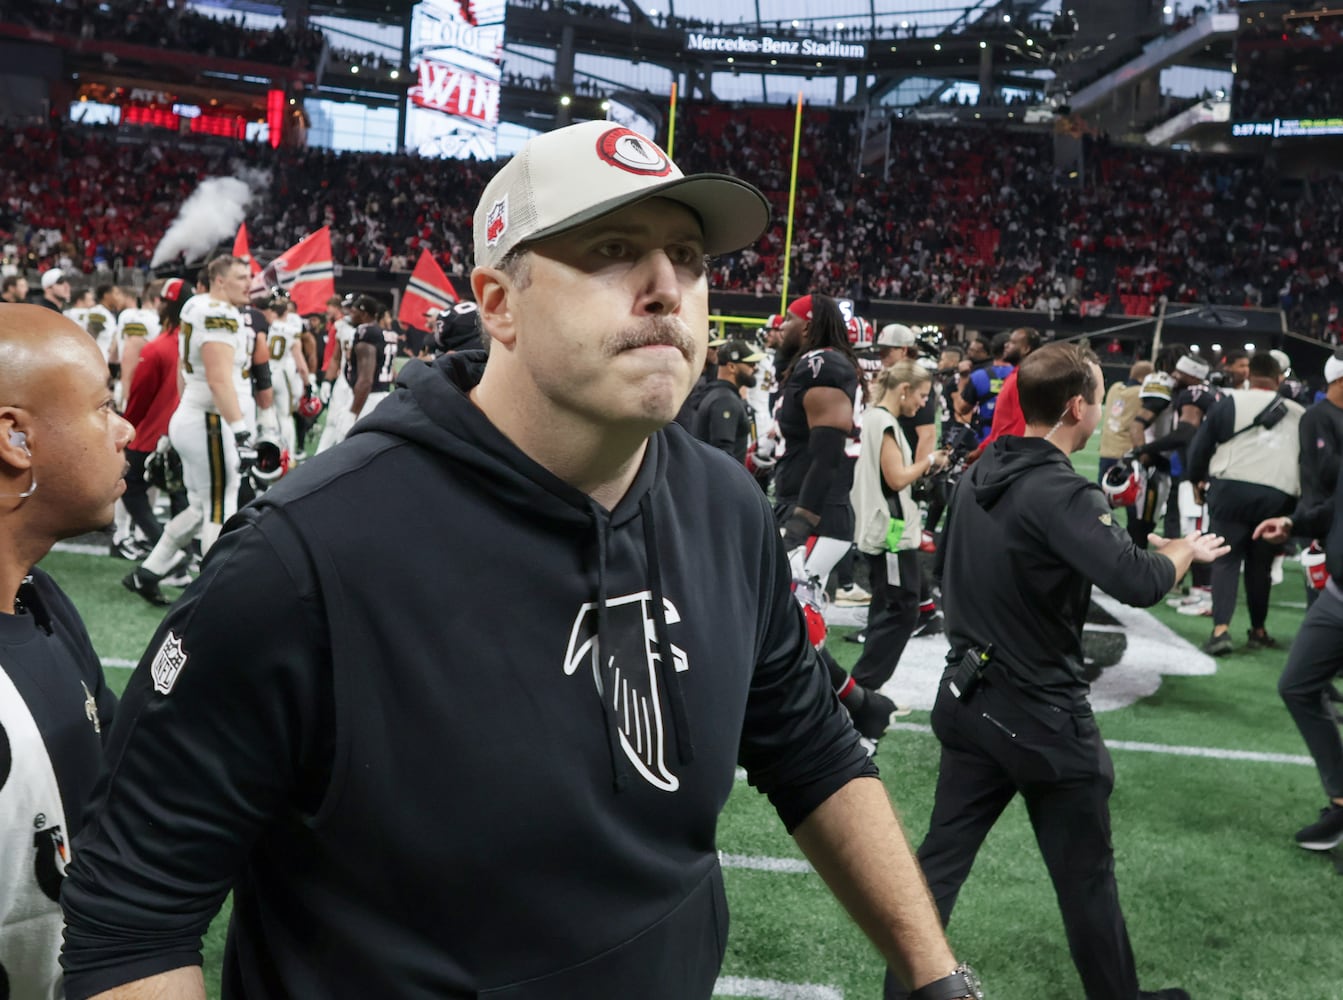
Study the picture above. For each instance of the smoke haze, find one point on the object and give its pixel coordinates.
(210, 215)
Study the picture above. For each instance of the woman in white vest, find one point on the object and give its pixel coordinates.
(889, 524)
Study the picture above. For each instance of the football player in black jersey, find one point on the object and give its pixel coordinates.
(370, 365)
(819, 399)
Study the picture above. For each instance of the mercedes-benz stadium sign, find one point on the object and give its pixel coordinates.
(767, 45)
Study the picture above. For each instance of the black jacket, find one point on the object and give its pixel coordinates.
(387, 736)
(1026, 539)
(723, 419)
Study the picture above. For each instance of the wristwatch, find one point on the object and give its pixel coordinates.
(961, 984)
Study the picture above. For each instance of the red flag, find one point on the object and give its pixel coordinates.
(244, 252)
(305, 271)
(428, 289)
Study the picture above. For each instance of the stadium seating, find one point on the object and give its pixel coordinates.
(967, 216)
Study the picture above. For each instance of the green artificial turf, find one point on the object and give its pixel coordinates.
(1217, 897)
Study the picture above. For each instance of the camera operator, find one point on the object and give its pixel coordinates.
(1249, 446)
(1026, 539)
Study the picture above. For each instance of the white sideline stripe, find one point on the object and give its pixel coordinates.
(117, 662)
(792, 866)
(772, 989)
(1213, 753)
(80, 549)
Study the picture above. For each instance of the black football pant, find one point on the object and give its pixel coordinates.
(1316, 658)
(891, 617)
(996, 746)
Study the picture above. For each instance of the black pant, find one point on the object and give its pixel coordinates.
(1257, 556)
(999, 744)
(1316, 658)
(891, 617)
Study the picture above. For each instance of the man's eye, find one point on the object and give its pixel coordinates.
(613, 249)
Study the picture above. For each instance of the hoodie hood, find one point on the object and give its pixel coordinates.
(433, 409)
(1006, 461)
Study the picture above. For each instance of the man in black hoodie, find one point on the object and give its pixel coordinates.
(513, 793)
(1026, 539)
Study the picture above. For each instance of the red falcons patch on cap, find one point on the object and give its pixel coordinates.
(496, 222)
(630, 151)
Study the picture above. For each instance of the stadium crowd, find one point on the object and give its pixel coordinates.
(959, 215)
(165, 26)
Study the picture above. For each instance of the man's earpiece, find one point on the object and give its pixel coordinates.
(18, 439)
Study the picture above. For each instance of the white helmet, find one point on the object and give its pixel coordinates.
(1124, 482)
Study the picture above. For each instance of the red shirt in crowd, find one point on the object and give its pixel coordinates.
(153, 395)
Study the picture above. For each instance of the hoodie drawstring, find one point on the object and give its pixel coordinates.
(671, 679)
(618, 775)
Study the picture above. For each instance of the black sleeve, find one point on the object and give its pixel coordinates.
(200, 761)
(1178, 438)
(826, 446)
(1083, 535)
(721, 423)
(1217, 427)
(797, 745)
(1315, 518)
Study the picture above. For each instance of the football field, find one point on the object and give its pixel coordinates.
(1211, 781)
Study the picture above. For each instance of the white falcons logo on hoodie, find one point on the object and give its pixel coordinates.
(630, 677)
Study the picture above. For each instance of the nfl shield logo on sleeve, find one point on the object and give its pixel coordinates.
(168, 663)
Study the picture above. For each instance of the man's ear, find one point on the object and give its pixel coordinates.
(492, 289)
(14, 444)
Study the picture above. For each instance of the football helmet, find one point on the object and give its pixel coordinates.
(1124, 482)
(163, 468)
(272, 462)
(310, 406)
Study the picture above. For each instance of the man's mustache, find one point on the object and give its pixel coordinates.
(656, 331)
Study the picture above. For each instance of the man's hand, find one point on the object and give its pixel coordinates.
(246, 451)
(1199, 547)
(1275, 529)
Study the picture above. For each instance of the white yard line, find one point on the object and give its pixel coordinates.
(772, 989)
(791, 866)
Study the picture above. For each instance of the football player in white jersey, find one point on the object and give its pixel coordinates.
(101, 321)
(208, 430)
(289, 369)
(80, 304)
(342, 393)
(137, 326)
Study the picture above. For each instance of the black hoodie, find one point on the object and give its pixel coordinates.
(1026, 540)
(385, 732)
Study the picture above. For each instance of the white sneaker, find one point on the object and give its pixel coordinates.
(852, 596)
(1199, 604)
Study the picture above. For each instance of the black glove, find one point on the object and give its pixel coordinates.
(246, 451)
(796, 530)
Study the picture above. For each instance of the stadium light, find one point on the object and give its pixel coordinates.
(1193, 349)
(1249, 347)
(797, 23)
(937, 46)
(606, 105)
(1217, 348)
(774, 62)
(983, 45)
(395, 74)
(564, 100)
(903, 25)
(1007, 17)
(354, 69)
(840, 25)
(731, 59)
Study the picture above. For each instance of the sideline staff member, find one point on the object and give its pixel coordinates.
(1024, 725)
(62, 463)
